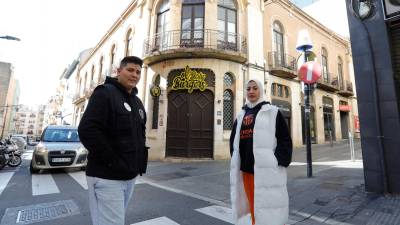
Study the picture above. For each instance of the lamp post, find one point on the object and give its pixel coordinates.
(8, 37)
(303, 45)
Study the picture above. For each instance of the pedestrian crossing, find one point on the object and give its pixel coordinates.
(214, 211)
(44, 184)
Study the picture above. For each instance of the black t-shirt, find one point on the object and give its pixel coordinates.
(246, 139)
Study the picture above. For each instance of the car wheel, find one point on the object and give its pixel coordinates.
(33, 170)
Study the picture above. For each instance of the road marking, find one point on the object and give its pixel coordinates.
(4, 179)
(157, 221)
(43, 184)
(219, 212)
(80, 177)
(27, 155)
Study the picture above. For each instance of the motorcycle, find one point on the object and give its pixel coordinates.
(10, 157)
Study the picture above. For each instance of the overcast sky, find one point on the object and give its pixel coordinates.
(52, 33)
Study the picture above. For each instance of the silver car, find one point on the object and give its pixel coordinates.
(59, 147)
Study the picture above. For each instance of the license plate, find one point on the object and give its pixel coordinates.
(61, 160)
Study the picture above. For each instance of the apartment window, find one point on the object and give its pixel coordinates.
(340, 73)
(128, 43)
(229, 84)
(227, 24)
(112, 57)
(101, 69)
(324, 56)
(278, 43)
(162, 25)
(91, 76)
(279, 90)
(192, 23)
(84, 82)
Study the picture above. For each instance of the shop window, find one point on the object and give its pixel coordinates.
(228, 99)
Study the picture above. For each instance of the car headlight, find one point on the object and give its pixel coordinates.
(82, 150)
(41, 150)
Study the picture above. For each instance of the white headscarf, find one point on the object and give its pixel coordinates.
(262, 94)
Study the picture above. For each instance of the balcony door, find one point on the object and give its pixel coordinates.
(192, 27)
(162, 24)
(227, 34)
(279, 46)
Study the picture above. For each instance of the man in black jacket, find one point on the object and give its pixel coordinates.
(113, 131)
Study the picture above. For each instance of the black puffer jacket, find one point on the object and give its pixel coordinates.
(113, 130)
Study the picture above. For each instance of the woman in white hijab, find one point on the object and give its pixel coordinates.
(261, 149)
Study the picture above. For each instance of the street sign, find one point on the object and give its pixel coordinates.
(310, 72)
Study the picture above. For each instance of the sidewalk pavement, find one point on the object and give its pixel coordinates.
(334, 195)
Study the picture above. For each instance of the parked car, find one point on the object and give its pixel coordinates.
(59, 147)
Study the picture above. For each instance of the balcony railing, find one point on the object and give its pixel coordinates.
(282, 65)
(346, 89)
(329, 82)
(203, 40)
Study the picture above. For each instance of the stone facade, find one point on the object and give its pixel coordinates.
(234, 41)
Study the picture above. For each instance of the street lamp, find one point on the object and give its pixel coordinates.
(8, 37)
(303, 45)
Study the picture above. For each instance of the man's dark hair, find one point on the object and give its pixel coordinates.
(131, 59)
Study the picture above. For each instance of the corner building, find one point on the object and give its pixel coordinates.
(197, 56)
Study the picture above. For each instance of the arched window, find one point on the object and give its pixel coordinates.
(91, 83)
(229, 84)
(112, 57)
(84, 83)
(279, 44)
(340, 73)
(154, 124)
(100, 69)
(128, 43)
(324, 61)
(192, 26)
(227, 24)
(162, 25)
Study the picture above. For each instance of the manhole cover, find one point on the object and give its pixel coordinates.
(40, 212)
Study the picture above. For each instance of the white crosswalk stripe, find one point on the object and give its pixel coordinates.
(27, 155)
(79, 177)
(4, 179)
(219, 212)
(43, 184)
(157, 221)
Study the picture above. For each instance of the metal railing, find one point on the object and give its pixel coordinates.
(202, 38)
(346, 86)
(329, 80)
(280, 60)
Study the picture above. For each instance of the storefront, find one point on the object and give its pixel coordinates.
(344, 109)
(329, 124)
(190, 126)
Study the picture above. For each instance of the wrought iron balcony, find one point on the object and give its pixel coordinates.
(204, 43)
(282, 65)
(329, 82)
(346, 89)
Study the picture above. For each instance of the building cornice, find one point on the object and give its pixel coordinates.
(127, 12)
(309, 19)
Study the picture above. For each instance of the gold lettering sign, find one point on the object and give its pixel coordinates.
(190, 80)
